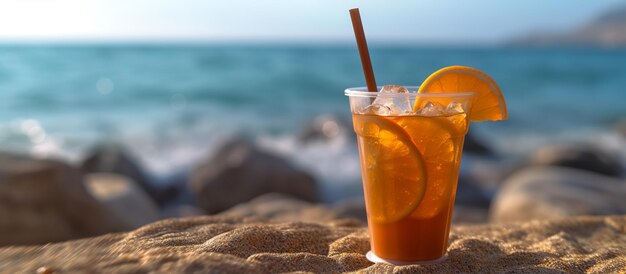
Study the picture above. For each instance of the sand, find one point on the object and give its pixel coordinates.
(211, 244)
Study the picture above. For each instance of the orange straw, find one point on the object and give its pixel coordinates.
(362, 45)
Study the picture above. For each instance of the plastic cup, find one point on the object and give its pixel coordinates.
(410, 168)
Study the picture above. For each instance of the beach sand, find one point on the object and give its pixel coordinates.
(251, 245)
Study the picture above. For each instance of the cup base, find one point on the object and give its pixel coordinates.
(375, 259)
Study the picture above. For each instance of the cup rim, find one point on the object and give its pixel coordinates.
(363, 92)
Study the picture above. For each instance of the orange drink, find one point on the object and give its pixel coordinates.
(409, 201)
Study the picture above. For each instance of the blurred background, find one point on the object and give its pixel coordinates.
(155, 109)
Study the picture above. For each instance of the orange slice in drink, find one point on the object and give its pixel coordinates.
(439, 140)
(488, 104)
(394, 170)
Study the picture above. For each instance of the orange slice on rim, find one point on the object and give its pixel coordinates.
(488, 104)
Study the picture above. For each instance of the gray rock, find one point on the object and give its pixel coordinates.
(323, 128)
(239, 172)
(45, 201)
(351, 208)
(470, 215)
(580, 156)
(110, 158)
(473, 145)
(123, 197)
(549, 192)
(180, 211)
(471, 193)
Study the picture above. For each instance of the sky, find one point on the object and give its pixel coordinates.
(441, 21)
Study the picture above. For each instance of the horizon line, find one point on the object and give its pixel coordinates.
(241, 40)
(344, 43)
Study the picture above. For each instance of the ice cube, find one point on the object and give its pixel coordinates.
(454, 108)
(377, 109)
(432, 109)
(397, 110)
(394, 89)
(397, 105)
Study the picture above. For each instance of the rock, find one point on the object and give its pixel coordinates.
(579, 156)
(123, 197)
(550, 192)
(473, 145)
(183, 210)
(217, 244)
(470, 215)
(471, 193)
(281, 208)
(487, 173)
(45, 201)
(323, 128)
(351, 208)
(177, 185)
(239, 172)
(115, 159)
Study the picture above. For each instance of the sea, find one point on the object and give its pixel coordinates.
(172, 105)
